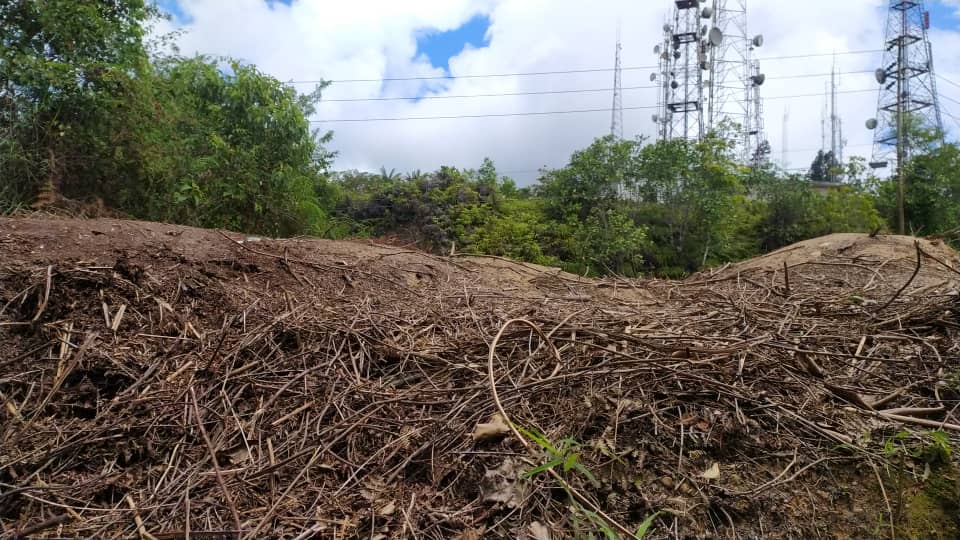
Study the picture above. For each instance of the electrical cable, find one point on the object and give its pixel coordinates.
(462, 116)
(946, 80)
(531, 113)
(548, 92)
(516, 74)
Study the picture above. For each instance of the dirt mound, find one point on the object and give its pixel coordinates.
(853, 247)
(168, 382)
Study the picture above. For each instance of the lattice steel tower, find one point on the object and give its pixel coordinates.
(908, 91)
(616, 115)
(708, 76)
(682, 61)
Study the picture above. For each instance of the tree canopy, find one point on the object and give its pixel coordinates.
(88, 111)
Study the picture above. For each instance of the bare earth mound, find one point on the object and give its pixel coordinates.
(168, 382)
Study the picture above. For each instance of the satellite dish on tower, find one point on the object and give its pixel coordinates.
(656, 49)
(707, 12)
(704, 30)
(653, 77)
(674, 85)
(715, 36)
(881, 75)
(872, 124)
(667, 28)
(665, 55)
(758, 79)
(677, 55)
(758, 40)
(655, 118)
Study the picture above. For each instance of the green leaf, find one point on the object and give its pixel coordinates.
(538, 438)
(644, 527)
(571, 461)
(586, 473)
(540, 468)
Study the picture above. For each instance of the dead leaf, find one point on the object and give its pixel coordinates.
(470, 534)
(388, 509)
(493, 429)
(712, 473)
(539, 531)
(239, 455)
(503, 484)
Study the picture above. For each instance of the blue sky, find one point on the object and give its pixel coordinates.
(440, 47)
(175, 10)
(358, 47)
(943, 16)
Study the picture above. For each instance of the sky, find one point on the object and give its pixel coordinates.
(428, 52)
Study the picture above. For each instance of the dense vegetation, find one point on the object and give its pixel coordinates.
(90, 111)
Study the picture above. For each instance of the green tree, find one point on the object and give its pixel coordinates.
(232, 148)
(791, 211)
(590, 229)
(932, 189)
(591, 180)
(825, 167)
(690, 193)
(73, 76)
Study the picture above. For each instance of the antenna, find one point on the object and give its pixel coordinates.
(682, 59)
(823, 121)
(843, 142)
(908, 91)
(707, 76)
(733, 90)
(786, 132)
(835, 138)
(616, 114)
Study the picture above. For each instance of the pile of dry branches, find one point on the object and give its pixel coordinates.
(280, 391)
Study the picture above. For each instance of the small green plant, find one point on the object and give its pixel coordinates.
(566, 452)
(566, 455)
(893, 446)
(933, 447)
(953, 382)
(644, 527)
(936, 448)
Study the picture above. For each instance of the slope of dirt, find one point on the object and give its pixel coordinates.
(168, 382)
(851, 246)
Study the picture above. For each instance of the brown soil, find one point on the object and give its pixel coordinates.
(162, 382)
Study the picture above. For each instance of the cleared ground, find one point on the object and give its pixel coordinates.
(168, 382)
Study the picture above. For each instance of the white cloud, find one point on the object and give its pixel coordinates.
(372, 39)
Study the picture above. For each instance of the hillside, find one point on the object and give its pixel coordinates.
(161, 381)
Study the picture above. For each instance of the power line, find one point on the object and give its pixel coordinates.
(804, 75)
(805, 150)
(948, 98)
(532, 113)
(503, 94)
(952, 117)
(546, 92)
(814, 55)
(946, 80)
(820, 94)
(478, 76)
(462, 116)
(516, 74)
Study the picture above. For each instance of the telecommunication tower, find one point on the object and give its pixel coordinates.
(831, 112)
(756, 144)
(616, 115)
(785, 139)
(683, 59)
(908, 90)
(707, 74)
